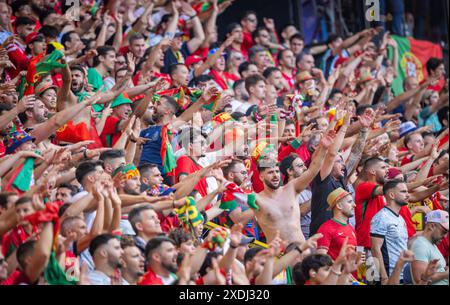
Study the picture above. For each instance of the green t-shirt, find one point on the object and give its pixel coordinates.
(425, 251)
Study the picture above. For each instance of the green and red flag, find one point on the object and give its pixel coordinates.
(53, 273)
(413, 55)
(41, 65)
(167, 157)
(234, 196)
(205, 6)
(185, 95)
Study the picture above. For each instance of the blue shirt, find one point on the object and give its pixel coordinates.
(151, 150)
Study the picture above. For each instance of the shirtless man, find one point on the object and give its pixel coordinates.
(278, 205)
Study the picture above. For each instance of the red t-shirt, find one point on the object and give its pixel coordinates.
(334, 233)
(290, 79)
(186, 165)
(248, 41)
(302, 151)
(443, 247)
(366, 207)
(111, 133)
(258, 185)
(2, 148)
(407, 217)
(18, 277)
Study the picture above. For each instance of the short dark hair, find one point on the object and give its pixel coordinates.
(334, 92)
(391, 184)
(111, 154)
(300, 56)
(371, 162)
(49, 31)
(24, 21)
(296, 36)
(231, 27)
(85, 168)
(227, 169)
(259, 30)
(171, 102)
(433, 63)
(179, 236)
(135, 216)
(66, 37)
(207, 263)
(268, 71)
(4, 196)
(244, 66)
(174, 67)
(154, 244)
(200, 79)
(250, 253)
(79, 68)
(238, 83)
(280, 54)
(99, 241)
(22, 200)
(192, 133)
(146, 167)
(26, 249)
(314, 262)
(5, 107)
(73, 189)
(248, 13)
(252, 80)
(333, 38)
(286, 164)
(102, 51)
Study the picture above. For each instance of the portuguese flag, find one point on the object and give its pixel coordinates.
(412, 58)
(185, 95)
(40, 66)
(205, 6)
(168, 158)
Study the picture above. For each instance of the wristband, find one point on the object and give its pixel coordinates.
(133, 141)
(233, 247)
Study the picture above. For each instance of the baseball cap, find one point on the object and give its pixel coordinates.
(335, 196)
(15, 139)
(33, 36)
(179, 34)
(193, 59)
(406, 128)
(393, 172)
(438, 216)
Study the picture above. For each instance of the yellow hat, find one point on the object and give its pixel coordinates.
(335, 196)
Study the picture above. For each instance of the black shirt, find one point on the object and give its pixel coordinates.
(171, 59)
(319, 206)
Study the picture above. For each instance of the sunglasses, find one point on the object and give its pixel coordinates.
(2, 260)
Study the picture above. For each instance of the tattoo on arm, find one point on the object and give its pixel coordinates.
(357, 150)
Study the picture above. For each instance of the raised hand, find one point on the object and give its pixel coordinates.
(367, 118)
(131, 59)
(311, 242)
(236, 235)
(26, 102)
(269, 24)
(328, 139)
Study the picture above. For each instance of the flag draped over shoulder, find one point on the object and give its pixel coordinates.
(412, 58)
(168, 158)
(40, 65)
(53, 273)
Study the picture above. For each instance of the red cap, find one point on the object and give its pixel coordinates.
(393, 172)
(193, 59)
(31, 37)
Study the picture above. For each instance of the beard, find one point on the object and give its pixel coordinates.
(271, 185)
(170, 267)
(130, 191)
(401, 203)
(381, 180)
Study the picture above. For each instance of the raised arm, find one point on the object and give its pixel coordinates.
(199, 35)
(305, 179)
(41, 253)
